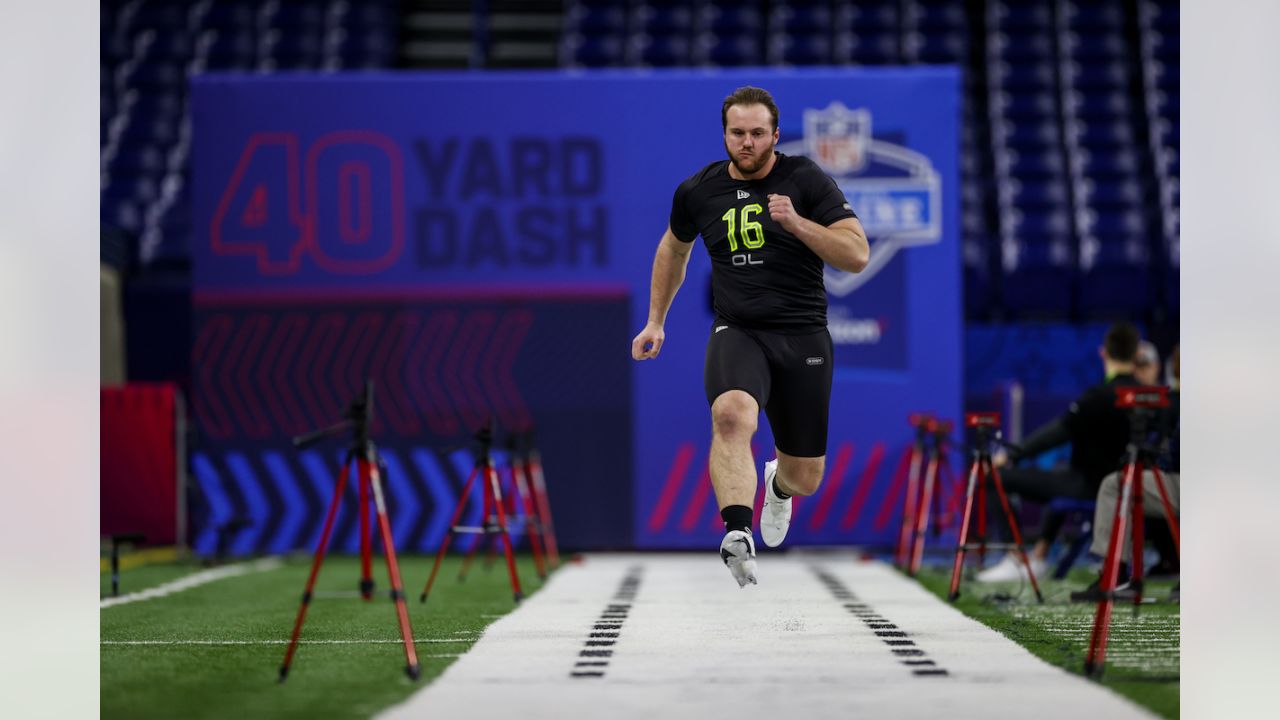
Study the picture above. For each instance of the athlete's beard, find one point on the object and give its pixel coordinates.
(760, 157)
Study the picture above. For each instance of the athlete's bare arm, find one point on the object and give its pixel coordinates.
(842, 244)
(669, 264)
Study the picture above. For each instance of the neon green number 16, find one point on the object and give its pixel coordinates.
(752, 230)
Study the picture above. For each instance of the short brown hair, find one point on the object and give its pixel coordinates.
(748, 95)
(1121, 342)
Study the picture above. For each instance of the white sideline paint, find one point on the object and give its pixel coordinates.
(397, 641)
(194, 580)
(694, 646)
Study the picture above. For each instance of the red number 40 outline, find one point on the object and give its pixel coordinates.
(304, 236)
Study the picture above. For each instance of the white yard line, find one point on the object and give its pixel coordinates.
(194, 580)
(672, 636)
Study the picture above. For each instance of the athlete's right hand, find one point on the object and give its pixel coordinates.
(648, 343)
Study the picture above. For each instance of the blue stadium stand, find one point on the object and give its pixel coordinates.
(728, 34)
(1069, 165)
(1158, 24)
(1114, 279)
(149, 50)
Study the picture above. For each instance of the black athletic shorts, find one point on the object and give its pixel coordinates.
(788, 375)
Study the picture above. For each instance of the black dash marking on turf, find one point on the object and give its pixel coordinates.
(607, 628)
(892, 636)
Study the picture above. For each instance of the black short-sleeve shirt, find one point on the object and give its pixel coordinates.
(1099, 430)
(761, 275)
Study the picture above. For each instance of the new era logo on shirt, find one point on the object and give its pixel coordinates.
(743, 194)
(722, 327)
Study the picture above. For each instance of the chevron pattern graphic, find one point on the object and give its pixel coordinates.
(439, 372)
(276, 501)
(265, 371)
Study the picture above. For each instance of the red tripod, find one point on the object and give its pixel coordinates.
(986, 430)
(534, 526)
(369, 472)
(1142, 404)
(518, 487)
(538, 486)
(489, 524)
(940, 431)
(919, 449)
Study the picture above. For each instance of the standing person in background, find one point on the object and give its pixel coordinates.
(1098, 432)
(769, 222)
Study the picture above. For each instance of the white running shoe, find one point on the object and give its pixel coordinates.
(1010, 567)
(775, 518)
(738, 551)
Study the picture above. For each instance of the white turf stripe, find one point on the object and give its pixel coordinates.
(194, 580)
(695, 646)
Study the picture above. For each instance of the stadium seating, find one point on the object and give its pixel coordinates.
(1031, 174)
(1100, 119)
(148, 52)
(1158, 48)
(1069, 147)
(800, 33)
(729, 33)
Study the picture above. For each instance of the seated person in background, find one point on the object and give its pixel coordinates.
(1109, 495)
(1146, 364)
(1147, 371)
(1098, 432)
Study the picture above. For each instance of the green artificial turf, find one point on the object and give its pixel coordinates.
(1142, 654)
(326, 681)
(355, 680)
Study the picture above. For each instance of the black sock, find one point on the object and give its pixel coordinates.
(777, 490)
(736, 517)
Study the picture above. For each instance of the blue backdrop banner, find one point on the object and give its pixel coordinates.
(483, 243)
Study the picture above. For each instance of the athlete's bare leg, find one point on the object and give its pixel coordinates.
(734, 418)
(799, 475)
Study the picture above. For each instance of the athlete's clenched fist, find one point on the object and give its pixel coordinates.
(781, 210)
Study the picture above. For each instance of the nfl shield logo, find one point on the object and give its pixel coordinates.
(836, 138)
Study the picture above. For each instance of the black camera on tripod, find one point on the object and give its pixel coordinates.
(1147, 408)
(984, 429)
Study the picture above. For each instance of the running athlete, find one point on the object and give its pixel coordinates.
(769, 222)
